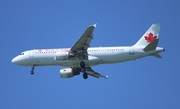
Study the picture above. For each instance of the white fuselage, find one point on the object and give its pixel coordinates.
(96, 56)
(80, 57)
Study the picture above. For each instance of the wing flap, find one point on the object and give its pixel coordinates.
(91, 72)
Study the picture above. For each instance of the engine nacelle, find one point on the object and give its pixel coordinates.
(62, 56)
(68, 72)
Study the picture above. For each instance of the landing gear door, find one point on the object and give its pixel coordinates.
(31, 54)
(131, 50)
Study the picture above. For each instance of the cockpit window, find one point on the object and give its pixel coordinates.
(22, 54)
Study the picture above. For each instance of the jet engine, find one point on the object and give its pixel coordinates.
(69, 72)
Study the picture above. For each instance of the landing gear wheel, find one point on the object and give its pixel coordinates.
(32, 72)
(85, 76)
(82, 64)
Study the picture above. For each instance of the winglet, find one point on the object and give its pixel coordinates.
(95, 25)
(106, 77)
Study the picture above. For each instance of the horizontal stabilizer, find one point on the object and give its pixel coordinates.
(157, 55)
(152, 45)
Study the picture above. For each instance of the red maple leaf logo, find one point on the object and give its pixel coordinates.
(150, 37)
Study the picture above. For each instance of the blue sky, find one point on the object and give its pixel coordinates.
(147, 83)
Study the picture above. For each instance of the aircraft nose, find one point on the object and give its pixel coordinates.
(14, 61)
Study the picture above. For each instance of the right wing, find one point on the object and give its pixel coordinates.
(91, 72)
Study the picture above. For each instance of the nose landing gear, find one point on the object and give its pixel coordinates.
(32, 70)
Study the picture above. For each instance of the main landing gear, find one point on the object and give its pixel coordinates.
(32, 70)
(85, 75)
(82, 64)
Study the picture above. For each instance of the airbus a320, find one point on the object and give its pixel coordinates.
(80, 57)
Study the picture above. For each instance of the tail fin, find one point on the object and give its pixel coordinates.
(151, 34)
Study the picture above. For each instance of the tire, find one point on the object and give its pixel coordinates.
(85, 75)
(82, 64)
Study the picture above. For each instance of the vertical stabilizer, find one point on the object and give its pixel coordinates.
(151, 34)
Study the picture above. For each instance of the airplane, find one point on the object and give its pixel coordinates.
(80, 57)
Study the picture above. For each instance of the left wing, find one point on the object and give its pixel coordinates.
(91, 72)
(83, 42)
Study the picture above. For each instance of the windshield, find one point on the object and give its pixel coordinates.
(22, 54)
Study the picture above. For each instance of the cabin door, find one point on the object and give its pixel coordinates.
(131, 50)
(31, 54)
